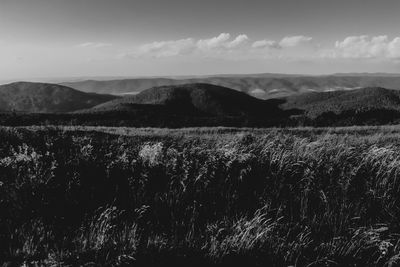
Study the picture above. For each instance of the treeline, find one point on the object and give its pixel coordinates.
(151, 118)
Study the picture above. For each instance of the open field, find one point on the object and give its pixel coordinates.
(200, 196)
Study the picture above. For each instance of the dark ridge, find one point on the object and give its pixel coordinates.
(337, 102)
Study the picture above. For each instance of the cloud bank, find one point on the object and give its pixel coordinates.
(215, 46)
(289, 47)
(365, 46)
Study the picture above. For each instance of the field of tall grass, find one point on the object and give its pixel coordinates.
(72, 196)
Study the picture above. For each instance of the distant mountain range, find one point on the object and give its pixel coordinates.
(263, 86)
(46, 98)
(217, 101)
(195, 104)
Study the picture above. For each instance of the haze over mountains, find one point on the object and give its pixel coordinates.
(262, 86)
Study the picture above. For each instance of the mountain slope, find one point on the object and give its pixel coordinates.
(46, 98)
(358, 100)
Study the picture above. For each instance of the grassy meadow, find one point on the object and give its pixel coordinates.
(73, 196)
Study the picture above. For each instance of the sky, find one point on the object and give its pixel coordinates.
(83, 38)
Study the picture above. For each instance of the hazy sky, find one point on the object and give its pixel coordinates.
(56, 38)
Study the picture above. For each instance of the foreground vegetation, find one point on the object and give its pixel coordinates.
(206, 196)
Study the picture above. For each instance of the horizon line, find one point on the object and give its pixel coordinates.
(124, 77)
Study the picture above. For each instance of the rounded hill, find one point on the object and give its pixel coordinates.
(46, 98)
(197, 98)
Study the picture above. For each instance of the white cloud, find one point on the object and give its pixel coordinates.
(365, 46)
(291, 41)
(214, 42)
(266, 44)
(222, 43)
(94, 45)
(288, 41)
(394, 48)
(238, 41)
(167, 48)
(362, 46)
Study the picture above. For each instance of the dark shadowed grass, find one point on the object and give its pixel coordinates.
(205, 196)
